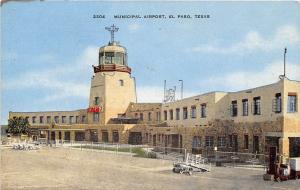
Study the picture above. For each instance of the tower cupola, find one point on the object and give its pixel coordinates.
(112, 57)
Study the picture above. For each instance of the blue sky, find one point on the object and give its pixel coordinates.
(48, 48)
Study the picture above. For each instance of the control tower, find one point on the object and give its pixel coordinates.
(112, 87)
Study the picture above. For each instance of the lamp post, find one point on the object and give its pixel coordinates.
(181, 88)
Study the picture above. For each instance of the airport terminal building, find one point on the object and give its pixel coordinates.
(245, 121)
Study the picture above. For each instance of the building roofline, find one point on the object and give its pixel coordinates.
(47, 111)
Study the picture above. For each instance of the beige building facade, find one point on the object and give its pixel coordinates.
(245, 121)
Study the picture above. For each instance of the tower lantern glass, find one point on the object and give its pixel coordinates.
(112, 57)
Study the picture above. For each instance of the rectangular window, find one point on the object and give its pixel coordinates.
(96, 117)
(27, 119)
(221, 141)
(234, 109)
(56, 119)
(97, 101)
(203, 110)
(171, 114)
(71, 119)
(157, 116)
(33, 119)
(83, 118)
(256, 106)
(141, 116)
(41, 119)
(63, 119)
(121, 82)
(196, 142)
(209, 141)
(246, 141)
(292, 103)
(177, 113)
(193, 112)
(165, 115)
(185, 113)
(277, 103)
(149, 116)
(48, 119)
(136, 115)
(77, 119)
(245, 107)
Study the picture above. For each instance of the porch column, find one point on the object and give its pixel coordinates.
(72, 135)
(284, 148)
(56, 136)
(62, 136)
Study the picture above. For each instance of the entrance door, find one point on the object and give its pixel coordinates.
(53, 136)
(115, 136)
(135, 138)
(154, 140)
(59, 135)
(67, 136)
(255, 144)
(175, 141)
(104, 136)
(235, 143)
(94, 135)
(79, 136)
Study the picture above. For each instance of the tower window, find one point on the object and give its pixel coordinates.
(63, 119)
(96, 117)
(277, 103)
(33, 119)
(71, 119)
(48, 119)
(97, 100)
(177, 113)
(256, 106)
(245, 107)
(234, 109)
(149, 116)
(203, 110)
(56, 119)
(83, 119)
(112, 58)
(171, 114)
(41, 119)
(185, 113)
(193, 112)
(292, 103)
(121, 82)
(165, 115)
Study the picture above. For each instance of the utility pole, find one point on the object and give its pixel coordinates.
(181, 88)
(165, 86)
(285, 50)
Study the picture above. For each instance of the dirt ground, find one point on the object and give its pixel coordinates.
(63, 168)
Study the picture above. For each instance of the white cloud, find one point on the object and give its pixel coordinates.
(241, 80)
(56, 80)
(134, 27)
(254, 41)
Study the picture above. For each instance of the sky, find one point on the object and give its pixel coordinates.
(48, 48)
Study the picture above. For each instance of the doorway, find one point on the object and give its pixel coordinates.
(135, 138)
(235, 143)
(256, 144)
(104, 136)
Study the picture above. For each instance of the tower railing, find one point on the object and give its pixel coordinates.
(112, 67)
